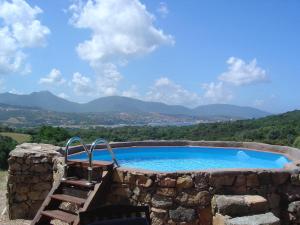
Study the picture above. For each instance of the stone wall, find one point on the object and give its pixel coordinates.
(185, 198)
(30, 178)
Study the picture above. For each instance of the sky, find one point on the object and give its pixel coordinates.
(178, 52)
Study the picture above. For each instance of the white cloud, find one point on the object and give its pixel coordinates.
(216, 93)
(242, 73)
(20, 30)
(120, 31)
(63, 95)
(167, 91)
(107, 80)
(11, 57)
(53, 78)
(82, 85)
(163, 9)
(14, 91)
(132, 92)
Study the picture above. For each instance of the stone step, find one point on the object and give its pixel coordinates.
(239, 205)
(260, 219)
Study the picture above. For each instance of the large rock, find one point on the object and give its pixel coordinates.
(239, 205)
(261, 219)
(182, 214)
(39, 153)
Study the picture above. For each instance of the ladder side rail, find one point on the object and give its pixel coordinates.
(69, 143)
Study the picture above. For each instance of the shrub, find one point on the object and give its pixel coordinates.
(6, 145)
(297, 142)
(51, 135)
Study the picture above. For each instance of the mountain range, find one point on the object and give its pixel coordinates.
(48, 101)
(118, 106)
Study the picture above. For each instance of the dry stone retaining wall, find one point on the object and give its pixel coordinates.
(185, 198)
(30, 178)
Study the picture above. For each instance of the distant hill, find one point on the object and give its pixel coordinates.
(47, 101)
(43, 99)
(233, 111)
(22, 116)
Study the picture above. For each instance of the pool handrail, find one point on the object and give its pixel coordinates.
(109, 148)
(69, 143)
(90, 152)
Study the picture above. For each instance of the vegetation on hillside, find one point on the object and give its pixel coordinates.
(18, 137)
(6, 145)
(280, 129)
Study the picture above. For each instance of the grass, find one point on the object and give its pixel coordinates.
(20, 138)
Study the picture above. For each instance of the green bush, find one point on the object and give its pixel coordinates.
(51, 135)
(297, 142)
(6, 145)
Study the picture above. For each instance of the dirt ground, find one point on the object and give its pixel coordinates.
(3, 215)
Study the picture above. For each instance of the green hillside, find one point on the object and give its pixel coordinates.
(20, 138)
(280, 129)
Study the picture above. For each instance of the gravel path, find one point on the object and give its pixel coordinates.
(3, 216)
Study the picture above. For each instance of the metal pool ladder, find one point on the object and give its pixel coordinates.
(90, 154)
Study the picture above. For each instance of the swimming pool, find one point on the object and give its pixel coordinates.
(188, 158)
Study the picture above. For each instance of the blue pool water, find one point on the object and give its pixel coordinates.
(171, 159)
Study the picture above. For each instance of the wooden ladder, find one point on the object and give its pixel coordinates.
(76, 191)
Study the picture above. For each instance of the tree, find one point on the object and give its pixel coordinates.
(297, 142)
(6, 145)
(51, 135)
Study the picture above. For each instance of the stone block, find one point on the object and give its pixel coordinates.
(167, 182)
(294, 208)
(169, 192)
(201, 181)
(261, 219)
(240, 181)
(163, 202)
(239, 205)
(184, 182)
(144, 181)
(264, 178)
(279, 178)
(252, 180)
(182, 214)
(218, 180)
(160, 213)
(295, 179)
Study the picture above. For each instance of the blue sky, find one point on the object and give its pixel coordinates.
(178, 52)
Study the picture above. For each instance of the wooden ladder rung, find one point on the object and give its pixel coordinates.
(68, 198)
(60, 215)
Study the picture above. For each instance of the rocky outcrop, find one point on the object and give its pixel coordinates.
(32, 169)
